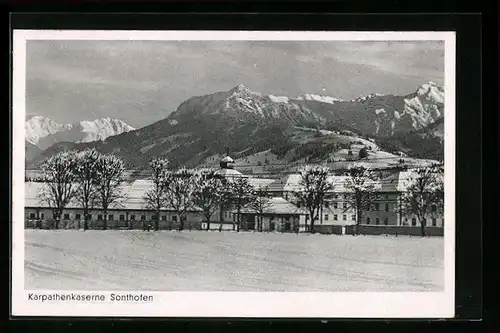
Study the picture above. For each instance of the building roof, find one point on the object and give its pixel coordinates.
(291, 183)
(404, 178)
(260, 182)
(227, 159)
(230, 173)
(278, 206)
(133, 193)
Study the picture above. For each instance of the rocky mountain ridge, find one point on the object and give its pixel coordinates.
(245, 123)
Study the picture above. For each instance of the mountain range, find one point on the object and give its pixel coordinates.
(247, 123)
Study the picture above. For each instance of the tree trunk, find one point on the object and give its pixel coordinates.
(312, 225)
(208, 222)
(105, 222)
(238, 220)
(157, 222)
(181, 222)
(85, 219)
(359, 219)
(58, 220)
(422, 227)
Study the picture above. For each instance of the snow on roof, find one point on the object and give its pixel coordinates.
(277, 205)
(227, 159)
(133, 196)
(230, 173)
(290, 183)
(260, 182)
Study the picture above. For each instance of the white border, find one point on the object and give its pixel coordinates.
(236, 304)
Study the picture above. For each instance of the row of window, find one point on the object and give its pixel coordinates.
(344, 206)
(336, 217)
(433, 222)
(346, 196)
(377, 221)
(111, 217)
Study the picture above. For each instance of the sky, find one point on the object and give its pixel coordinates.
(141, 82)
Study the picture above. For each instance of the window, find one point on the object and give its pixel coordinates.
(326, 217)
(386, 221)
(434, 208)
(132, 217)
(354, 217)
(327, 204)
(367, 220)
(386, 207)
(377, 221)
(335, 217)
(66, 216)
(32, 216)
(110, 217)
(99, 217)
(143, 217)
(78, 216)
(163, 217)
(335, 205)
(336, 196)
(413, 221)
(174, 218)
(345, 205)
(377, 206)
(433, 222)
(386, 197)
(442, 221)
(89, 217)
(41, 215)
(153, 218)
(122, 217)
(344, 217)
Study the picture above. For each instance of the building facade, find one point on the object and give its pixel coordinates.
(282, 214)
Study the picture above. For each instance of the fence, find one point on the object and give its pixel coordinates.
(328, 229)
(394, 230)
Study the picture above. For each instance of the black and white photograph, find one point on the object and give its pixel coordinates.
(231, 173)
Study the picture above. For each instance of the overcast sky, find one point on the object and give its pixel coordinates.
(141, 82)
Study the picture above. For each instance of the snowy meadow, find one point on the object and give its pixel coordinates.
(230, 261)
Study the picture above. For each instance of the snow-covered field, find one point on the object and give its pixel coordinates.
(229, 261)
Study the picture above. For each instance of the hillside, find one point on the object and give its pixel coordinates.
(273, 131)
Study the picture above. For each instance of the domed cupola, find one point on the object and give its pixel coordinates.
(226, 163)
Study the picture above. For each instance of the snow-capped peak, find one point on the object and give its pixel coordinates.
(367, 97)
(38, 127)
(240, 88)
(432, 91)
(319, 98)
(102, 128)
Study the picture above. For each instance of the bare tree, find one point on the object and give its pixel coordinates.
(59, 188)
(110, 172)
(209, 193)
(180, 187)
(439, 188)
(260, 203)
(86, 179)
(154, 197)
(362, 190)
(241, 193)
(314, 184)
(422, 191)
